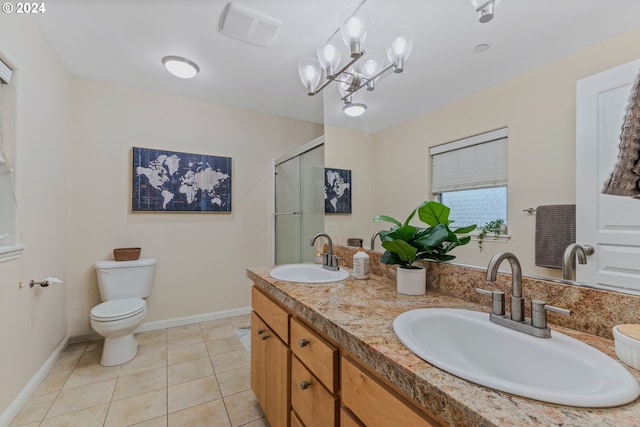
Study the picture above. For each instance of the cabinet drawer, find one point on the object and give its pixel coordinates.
(295, 421)
(271, 313)
(313, 404)
(347, 419)
(318, 355)
(373, 403)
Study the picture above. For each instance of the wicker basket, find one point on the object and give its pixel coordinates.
(126, 254)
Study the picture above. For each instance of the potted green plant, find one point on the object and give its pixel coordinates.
(405, 243)
(495, 227)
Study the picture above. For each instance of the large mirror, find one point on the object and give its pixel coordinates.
(449, 91)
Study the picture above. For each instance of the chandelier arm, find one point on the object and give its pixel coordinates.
(485, 4)
(337, 73)
(366, 80)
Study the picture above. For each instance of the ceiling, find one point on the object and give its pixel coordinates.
(124, 41)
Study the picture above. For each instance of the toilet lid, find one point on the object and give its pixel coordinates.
(118, 309)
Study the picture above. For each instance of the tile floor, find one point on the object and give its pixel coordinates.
(196, 375)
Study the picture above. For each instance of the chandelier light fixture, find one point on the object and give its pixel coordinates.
(485, 9)
(360, 69)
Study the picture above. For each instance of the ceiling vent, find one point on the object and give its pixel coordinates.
(248, 25)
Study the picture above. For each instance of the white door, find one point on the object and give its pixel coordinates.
(611, 224)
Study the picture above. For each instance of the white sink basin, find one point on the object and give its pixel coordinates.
(307, 273)
(559, 369)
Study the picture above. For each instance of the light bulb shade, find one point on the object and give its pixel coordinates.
(329, 55)
(310, 73)
(372, 65)
(180, 67)
(354, 22)
(399, 47)
(354, 109)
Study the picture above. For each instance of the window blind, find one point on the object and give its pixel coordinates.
(476, 162)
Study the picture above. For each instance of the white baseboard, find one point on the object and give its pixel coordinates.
(198, 318)
(26, 393)
(17, 404)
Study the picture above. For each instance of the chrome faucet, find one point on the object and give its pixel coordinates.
(329, 260)
(580, 252)
(516, 320)
(517, 301)
(373, 240)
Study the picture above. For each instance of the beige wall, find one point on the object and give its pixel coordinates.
(538, 108)
(33, 322)
(201, 257)
(354, 150)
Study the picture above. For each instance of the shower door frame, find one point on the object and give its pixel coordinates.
(313, 144)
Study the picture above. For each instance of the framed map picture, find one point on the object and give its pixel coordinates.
(337, 191)
(170, 181)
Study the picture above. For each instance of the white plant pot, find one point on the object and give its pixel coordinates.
(411, 281)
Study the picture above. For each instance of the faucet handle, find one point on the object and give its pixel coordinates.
(539, 310)
(497, 301)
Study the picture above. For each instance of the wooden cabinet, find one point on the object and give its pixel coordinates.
(373, 403)
(270, 363)
(300, 380)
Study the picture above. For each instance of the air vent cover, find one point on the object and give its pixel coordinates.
(248, 25)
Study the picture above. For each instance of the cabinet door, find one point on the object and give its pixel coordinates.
(373, 404)
(258, 358)
(270, 372)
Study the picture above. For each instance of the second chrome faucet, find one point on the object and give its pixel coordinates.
(516, 320)
(329, 260)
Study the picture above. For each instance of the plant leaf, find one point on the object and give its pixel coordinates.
(386, 218)
(433, 237)
(465, 230)
(406, 233)
(402, 249)
(410, 217)
(391, 259)
(433, 213)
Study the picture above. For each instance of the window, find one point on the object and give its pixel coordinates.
(470, 177)
(7, 195)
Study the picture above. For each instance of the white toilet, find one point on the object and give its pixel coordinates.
(123, 285)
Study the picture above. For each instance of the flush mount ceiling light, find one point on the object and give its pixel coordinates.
(317, 73)
(354, 109)
(485, 9)
(180, 67)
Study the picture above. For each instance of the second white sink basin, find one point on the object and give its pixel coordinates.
(307, 273)
(559, 369)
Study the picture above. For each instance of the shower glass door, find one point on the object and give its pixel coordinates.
(299, 205)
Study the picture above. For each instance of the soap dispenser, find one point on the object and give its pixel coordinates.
(361, 264)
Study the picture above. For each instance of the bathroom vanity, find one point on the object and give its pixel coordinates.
(326, 354)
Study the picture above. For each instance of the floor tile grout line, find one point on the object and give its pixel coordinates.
(62, 388)
(226, 410)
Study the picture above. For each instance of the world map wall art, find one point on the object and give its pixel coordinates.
(337, 191)
(170, 181)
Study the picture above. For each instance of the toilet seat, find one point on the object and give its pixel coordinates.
(118, 309)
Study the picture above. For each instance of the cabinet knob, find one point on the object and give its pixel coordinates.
(303, 342)
(305, 385)
(260, 331)
(264, 337)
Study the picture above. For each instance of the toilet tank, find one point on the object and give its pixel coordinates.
(125, 279)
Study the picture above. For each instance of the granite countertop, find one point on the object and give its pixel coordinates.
(359, 315)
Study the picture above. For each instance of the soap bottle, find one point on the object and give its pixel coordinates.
(361, 264)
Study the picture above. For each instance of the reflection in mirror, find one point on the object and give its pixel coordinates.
(389, 158)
